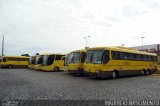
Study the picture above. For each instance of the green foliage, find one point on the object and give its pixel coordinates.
(25, 55)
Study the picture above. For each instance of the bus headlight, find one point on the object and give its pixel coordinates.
(98, 71)
(80, 68)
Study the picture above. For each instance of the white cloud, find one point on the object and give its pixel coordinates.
(32, 26)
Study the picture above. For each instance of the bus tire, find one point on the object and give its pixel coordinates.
(147, 72)
(56, 69)
(114, 74)
(142, 72)
(10, 66)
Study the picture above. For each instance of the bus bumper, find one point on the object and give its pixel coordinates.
(106, 74)
(4, 66)
(76, 71)
(153, 71)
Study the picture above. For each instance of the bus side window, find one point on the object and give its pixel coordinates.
(147, 58)
(63, 58)
(137, 57)
(83, 55)
(131, 56)
(143, 57)
(105, 56)
(153, 58)
(50, 59)
(121, 54)
(115, 55)
(125, 56)
(58, 57)
(40, 60)
(4, 59)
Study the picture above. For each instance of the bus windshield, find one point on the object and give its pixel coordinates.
(94, 57)
(45, 60)
(97, 57)
(50, 59)
(38, 60)
(88, 58)
(32, 60)
(74, 57)
(4, 59)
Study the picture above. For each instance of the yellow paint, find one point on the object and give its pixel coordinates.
(14, 61)
(120, 65)
(78, 66)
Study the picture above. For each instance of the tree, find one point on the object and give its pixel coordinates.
(25, 55)
(37, 53)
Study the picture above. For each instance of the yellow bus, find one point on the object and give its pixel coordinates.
(113, 62)
(14, 61)
(75, 61)
(38, 62)
(53, 62)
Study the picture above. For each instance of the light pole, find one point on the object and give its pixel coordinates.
(142, 37)
(86, 37)
(3, 46)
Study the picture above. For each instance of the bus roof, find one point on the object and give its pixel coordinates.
(80, 50)
(16, 56)
(47, 54)
(122, 49)
(52, 54)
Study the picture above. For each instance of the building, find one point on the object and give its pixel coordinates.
(154, 48)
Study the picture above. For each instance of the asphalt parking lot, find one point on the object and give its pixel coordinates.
(27, 84)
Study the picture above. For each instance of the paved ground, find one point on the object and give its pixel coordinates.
(27, 84)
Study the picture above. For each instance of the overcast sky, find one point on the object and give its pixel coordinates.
(59, 26)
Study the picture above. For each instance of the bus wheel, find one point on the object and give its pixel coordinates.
(56, 69)
(142, 72)
(10, 66)
(147, 72)
(114, 75)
